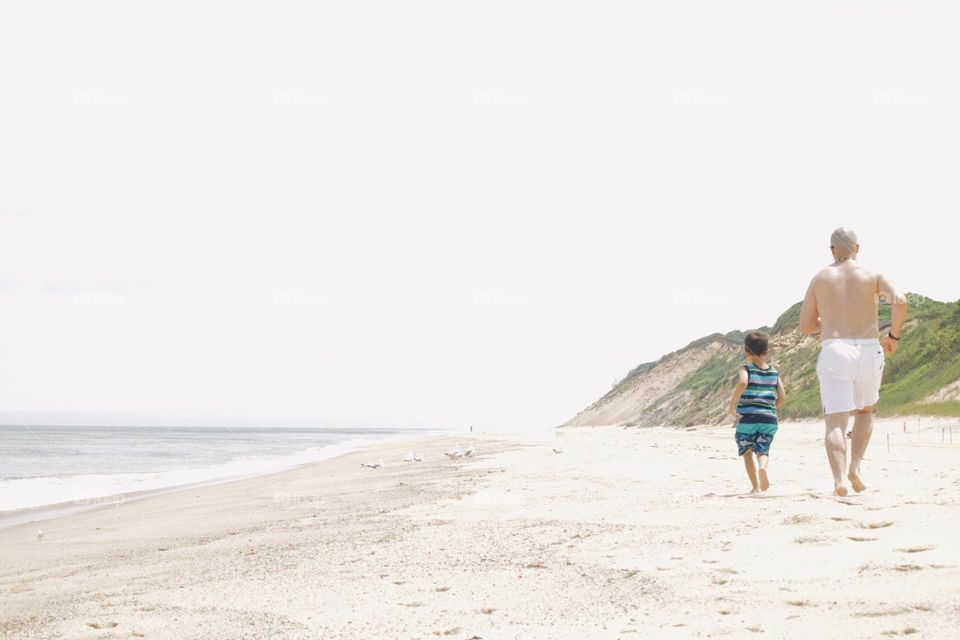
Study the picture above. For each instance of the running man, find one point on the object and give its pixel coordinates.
(841, 305)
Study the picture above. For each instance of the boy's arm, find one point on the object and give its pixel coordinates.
(738, 391)
(781, 392)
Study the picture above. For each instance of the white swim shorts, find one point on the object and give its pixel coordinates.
(850, 371)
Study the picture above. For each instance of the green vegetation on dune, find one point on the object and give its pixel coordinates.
(949, 408)
(715, 372)
(928, 359)
(788, 319)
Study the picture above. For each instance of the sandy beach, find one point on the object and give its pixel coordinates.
(623, 533)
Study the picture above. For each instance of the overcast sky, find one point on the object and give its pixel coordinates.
(441, 214)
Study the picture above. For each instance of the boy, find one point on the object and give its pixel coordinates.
(758, 395)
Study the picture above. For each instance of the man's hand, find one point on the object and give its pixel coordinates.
(889, 345)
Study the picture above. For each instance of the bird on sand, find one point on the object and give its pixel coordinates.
(454, 453)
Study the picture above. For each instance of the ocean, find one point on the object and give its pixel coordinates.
(47, 465)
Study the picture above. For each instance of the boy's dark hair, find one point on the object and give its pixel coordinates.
(756, 343)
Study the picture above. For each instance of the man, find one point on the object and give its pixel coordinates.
(841, 305)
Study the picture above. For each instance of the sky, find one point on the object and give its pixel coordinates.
(442, 214)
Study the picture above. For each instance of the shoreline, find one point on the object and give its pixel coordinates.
(40, 513)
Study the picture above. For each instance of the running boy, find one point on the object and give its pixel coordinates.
(758, 395)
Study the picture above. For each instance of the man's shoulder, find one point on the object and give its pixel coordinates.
(834, 272)
(827, 273)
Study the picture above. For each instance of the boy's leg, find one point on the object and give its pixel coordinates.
(836, 445)
(762, 471)
(751, 470)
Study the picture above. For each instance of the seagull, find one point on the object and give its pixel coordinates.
(454, 453)
(469, 451)
(372, 465)
(409, 457)
(556, 450)
(418, 457)
(39, 535)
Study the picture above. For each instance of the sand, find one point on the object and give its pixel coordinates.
(626, 533)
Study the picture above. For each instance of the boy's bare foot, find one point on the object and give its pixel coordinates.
(764, 480)
(755, 492)
(841, 490)
(856, 482)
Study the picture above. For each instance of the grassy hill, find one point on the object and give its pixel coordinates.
(692, 385)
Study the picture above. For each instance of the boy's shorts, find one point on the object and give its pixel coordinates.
(758, 442)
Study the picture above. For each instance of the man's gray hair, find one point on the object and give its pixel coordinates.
(844, 240)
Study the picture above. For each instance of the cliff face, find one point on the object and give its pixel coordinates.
(691, 386)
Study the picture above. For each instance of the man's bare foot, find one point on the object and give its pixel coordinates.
(856, 482)
(755, 491)
(764, 480)
(841, 490)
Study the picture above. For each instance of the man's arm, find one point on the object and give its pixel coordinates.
(809, 313)
(898, 311)
(738, 391)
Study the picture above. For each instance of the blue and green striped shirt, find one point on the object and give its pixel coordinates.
(758, 403)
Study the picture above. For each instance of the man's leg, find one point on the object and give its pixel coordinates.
(751, 471)
(862, 430)
(836, 445)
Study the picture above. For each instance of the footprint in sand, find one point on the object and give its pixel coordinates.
(875, 525)
(892, 612)
(906, 568)
(815, 540)
(799, 603)
(103, 625)
(799, 519)
(916, 549)
(909, 631)
(862, 539)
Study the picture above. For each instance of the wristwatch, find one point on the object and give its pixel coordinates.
(890, 333)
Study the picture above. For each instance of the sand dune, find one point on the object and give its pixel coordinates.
(625, 534)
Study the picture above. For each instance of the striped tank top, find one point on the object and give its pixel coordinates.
(758, 403)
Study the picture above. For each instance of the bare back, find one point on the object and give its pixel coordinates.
(847, 297)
